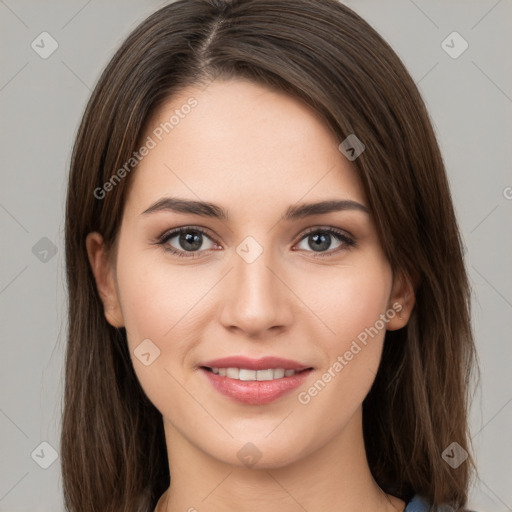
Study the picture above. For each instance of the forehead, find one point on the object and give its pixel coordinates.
(237, 140)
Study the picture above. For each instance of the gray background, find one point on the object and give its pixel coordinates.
(41, 102)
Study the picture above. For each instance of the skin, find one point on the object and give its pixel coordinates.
(254, 151)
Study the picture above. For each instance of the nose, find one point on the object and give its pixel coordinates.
(256, 298)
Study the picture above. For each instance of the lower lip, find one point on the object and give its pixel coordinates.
(255, 392)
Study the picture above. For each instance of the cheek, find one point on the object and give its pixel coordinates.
(158, 301)
(162, 304)
(353, 302)
(348, 300)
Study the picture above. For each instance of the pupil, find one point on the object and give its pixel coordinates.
(320, 241)
(190, 242)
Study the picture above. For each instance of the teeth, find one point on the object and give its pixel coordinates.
(265, 375)
(232, 373)
(245, 374)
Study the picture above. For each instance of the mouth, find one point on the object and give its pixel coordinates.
(255, 382)
(248, 375)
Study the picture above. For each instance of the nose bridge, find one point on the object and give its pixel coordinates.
(255, 298)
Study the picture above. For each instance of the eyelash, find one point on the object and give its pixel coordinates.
(348, 242)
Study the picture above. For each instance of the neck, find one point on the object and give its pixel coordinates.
(333, 476)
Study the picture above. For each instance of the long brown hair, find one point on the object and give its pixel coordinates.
(112, 446)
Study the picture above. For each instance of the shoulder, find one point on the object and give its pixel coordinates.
(420, 504)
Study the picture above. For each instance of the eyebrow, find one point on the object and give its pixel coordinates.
(206, 209)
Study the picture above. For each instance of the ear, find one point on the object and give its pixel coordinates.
(401, 300)
(104, 276)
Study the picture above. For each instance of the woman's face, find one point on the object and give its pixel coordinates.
(257, 275)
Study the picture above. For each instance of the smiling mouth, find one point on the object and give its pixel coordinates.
(245, 374)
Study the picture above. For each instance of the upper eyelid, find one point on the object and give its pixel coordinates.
(327, 228)
(171, 233)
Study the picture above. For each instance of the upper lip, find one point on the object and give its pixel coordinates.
(264, 363)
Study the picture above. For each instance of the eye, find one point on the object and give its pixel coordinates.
(185, 242)
(188, 241)
(320, 240)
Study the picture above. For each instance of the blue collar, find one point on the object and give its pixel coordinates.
(417, 504)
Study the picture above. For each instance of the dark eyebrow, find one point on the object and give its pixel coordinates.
(334, 205)
(207, 209)
(202, 208)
